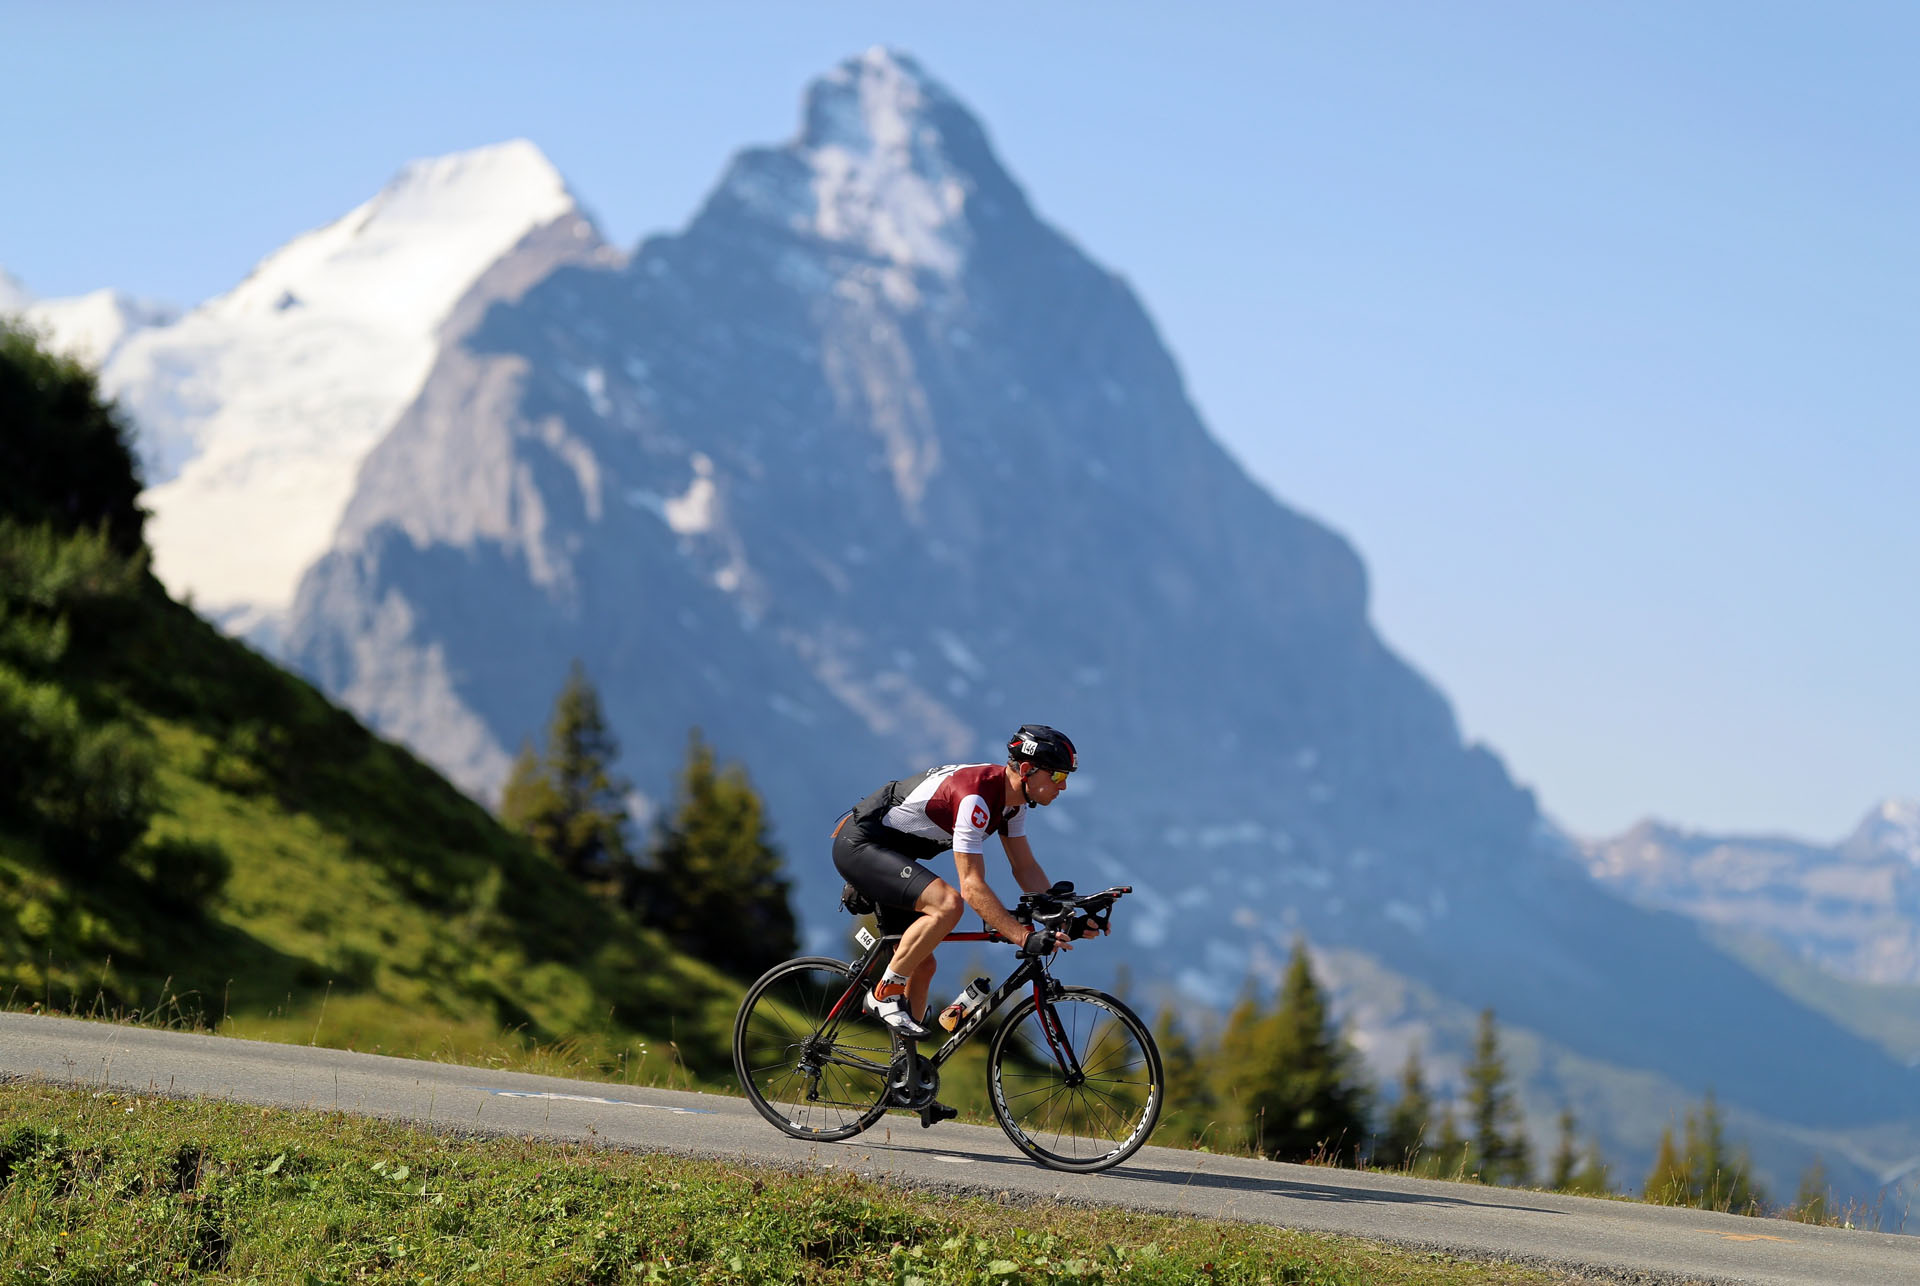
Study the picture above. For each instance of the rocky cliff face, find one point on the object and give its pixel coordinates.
(869, 465)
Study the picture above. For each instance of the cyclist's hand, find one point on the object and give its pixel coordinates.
(1039, 942)
(1092, 926)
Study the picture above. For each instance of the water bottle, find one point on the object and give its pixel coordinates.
(971, 997)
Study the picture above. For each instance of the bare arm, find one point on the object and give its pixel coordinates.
(981, 897)
(1026, 868)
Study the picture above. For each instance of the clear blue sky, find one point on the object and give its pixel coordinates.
(1596, 328)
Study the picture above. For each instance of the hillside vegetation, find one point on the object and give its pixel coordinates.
(188, 831)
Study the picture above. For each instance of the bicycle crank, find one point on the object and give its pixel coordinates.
(912, 1082)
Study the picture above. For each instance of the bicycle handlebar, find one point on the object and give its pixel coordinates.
(1060, 901)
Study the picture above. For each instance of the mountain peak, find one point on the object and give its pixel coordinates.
(1892, 829)
(404, 256)
(294, 374)
(876, 101)
(886, 165)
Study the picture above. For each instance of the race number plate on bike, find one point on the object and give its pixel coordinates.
(865, 939)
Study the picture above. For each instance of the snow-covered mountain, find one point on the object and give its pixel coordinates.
(869, 464)
(1852, 908)
(256, 408)
(14, 296)
(89, 327)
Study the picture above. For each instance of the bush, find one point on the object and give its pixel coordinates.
(185, 874)
(87, 791)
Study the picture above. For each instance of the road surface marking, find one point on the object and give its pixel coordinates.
(1743, 1236)
(588, 1098)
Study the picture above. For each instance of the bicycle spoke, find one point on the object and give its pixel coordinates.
(1076, 1087)
(810, 1077)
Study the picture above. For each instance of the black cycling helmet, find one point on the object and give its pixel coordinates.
(1045, 747)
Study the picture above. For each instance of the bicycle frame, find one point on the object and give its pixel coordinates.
(1029, 970)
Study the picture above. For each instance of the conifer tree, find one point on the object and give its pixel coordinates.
(1717, 1179)
(1300, 1087)
(1499, 1127)
(1450, 1152)
(568, 801)
(1405, 1138)
(1810, 1203)
(1593, 1178)
(66, 454)
(1192, 1111)
(1566, 1154)
(1667, 1182)
(1243, 1058)
(717, 891)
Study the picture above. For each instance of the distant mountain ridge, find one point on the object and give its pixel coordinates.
(1853, 908)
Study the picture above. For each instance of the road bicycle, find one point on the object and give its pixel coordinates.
(1073, 1075)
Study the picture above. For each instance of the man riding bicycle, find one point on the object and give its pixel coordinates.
(882, 843)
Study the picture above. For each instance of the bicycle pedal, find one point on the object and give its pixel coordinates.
(934, 1113)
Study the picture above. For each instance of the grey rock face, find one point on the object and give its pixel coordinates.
(869, 465)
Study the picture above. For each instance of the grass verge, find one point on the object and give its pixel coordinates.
(99, 1186)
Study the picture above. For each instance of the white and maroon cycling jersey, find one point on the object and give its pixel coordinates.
(958, 804)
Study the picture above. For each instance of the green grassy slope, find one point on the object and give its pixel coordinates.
(370, 905)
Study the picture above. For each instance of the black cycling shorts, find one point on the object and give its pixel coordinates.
(893, 880)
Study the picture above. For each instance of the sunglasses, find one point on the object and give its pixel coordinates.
(1059, 778)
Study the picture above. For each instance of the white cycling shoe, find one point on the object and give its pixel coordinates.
(893, 1012)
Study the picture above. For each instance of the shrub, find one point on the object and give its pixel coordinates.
(184, 874)
(87, 791)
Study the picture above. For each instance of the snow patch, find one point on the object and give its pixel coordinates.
(879, 178)
(692, 512)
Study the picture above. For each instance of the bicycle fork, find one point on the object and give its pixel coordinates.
(1063, 1054)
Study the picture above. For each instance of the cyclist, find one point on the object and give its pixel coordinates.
(882, 844)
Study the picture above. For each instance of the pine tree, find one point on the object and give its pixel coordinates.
(1405, 1138)
(1566, 1156)
(66, 455)
(1451, 1151)
(1593, 1178)
(1299, 1084)
(1241, 1066)
(1499, 1127)
(1192, 1111)
(567, 801)
(717, 890)
(1810, 1203)
(1716, 1179)
(1667, 1182)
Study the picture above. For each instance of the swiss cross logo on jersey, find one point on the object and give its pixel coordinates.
(980, 816)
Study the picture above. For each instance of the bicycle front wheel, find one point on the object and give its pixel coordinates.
(814, 1072)
(1075, 1081)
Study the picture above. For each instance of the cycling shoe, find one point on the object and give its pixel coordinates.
(893, 1012)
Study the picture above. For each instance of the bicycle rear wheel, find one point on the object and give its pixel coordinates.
(1075, 1081)
(814, 1073)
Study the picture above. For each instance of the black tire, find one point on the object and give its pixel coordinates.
(1092, 1125)
(812, 1078)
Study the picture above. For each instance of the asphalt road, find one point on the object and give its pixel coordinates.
(1605, 1240)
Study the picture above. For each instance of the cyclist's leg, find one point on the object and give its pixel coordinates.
(896, 881)
(940, 908)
